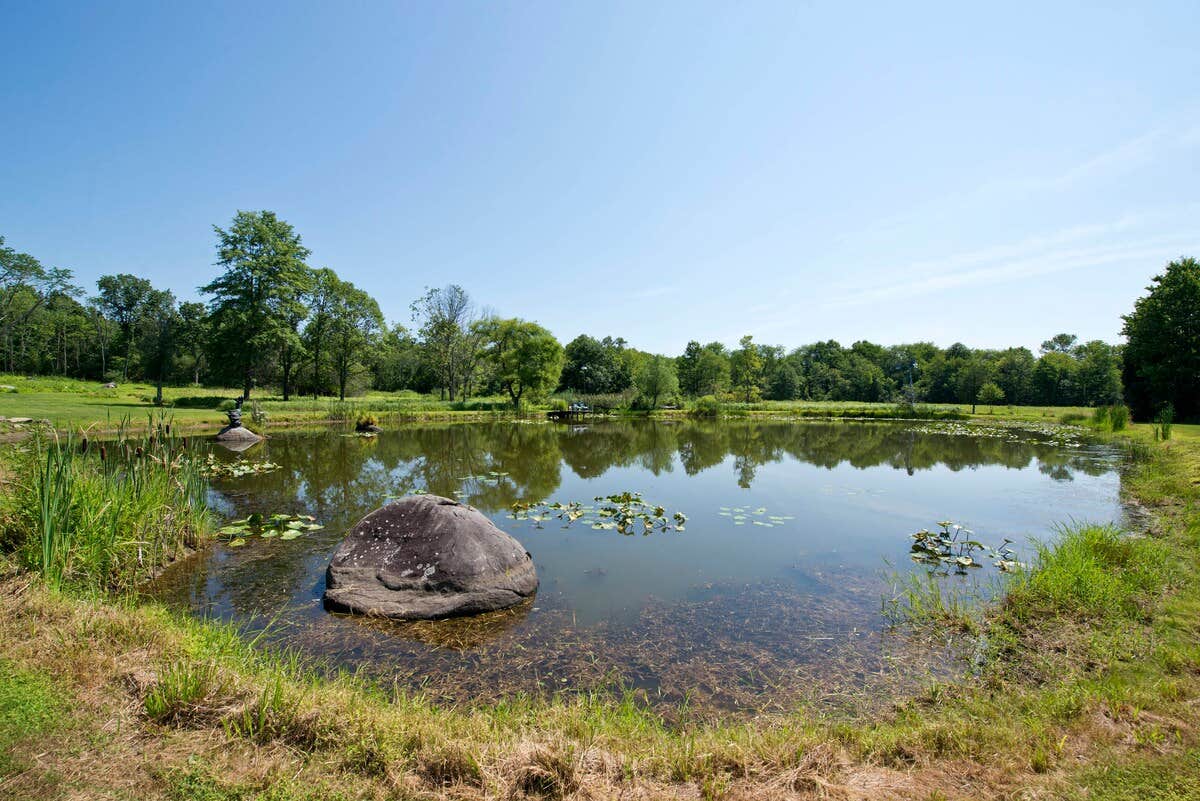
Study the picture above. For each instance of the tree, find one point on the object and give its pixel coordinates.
(990, 394)
(194, 332)
(745, 368)
(321, 299)
(25, 285)
(593, 366)
(526, 359)
(397, 361)
(785, 383)
(1162, 357)
(259, 295)
(657, 379)
(158, 330)
(1014, 374)
(1054, 379)
(124, 298)
(971, 378)
(1060, 343)
(354, 330)
(1098, 373)
(445, 316)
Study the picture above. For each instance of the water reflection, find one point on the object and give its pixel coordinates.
(730, 614)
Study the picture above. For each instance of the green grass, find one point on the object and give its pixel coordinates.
(105, 516)
(30, 704)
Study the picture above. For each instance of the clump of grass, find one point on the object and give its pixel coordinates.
(1118, 417)
(921, 598)
(186, 694)
(106, 515)
(1090, 571)
(543, 771)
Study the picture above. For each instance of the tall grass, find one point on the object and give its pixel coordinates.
(107, 515)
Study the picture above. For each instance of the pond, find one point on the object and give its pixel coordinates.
(769, 596)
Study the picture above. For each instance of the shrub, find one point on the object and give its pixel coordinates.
(708, 406)
(1118, 417)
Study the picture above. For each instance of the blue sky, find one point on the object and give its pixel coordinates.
(658, 171)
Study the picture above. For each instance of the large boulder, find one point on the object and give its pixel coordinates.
(237, 438)
(425, 557)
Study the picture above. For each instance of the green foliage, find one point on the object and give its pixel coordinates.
(107, 515)
(594, 366)
(707, 406)
(657, 380)
(525, 358)
(991, 394)
(1162, 357)
(257, 300)
(1118, 417)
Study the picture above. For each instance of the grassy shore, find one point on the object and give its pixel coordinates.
(69, 404)
(1088, 688)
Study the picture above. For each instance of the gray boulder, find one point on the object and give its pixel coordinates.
(237, 438)
(425, 557)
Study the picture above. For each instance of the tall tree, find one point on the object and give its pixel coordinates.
(746, 368)
(355, 326)
(158, 334)
(25, 285)
(1162, 357)
(124, 298)
(445, 316)
(657, 379)
(194, 331)
(526, 358)
(259, 293)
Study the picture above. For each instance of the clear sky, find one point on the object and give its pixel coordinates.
(986, 173)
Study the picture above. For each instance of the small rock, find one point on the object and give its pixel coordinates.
(110, 385)
(20, 419)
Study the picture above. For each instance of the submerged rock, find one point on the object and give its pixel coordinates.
(424, 557)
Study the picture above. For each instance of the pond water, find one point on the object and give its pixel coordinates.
(771, 594)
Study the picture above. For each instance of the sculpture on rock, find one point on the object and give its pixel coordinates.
(235, 436)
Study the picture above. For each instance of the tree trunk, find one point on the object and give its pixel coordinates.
(287, 374)
(246, 381)
(316, 370)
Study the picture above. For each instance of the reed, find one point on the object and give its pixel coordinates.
(108, 515)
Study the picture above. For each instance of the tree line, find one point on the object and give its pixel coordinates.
(272, 319)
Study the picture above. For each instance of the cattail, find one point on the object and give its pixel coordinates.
(168, 429)
(103, 453)
(83, 445)
(138, 451)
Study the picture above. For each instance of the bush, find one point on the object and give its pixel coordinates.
(558, 404)
(708, 406)
(1118, 417)
(1100, 416)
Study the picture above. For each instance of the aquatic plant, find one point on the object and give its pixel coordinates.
(953, 548)
(213, 467)
(625, 512)
(286, 527)
(107, 515)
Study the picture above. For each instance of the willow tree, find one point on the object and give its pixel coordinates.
(259, 296)
(525, 358)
